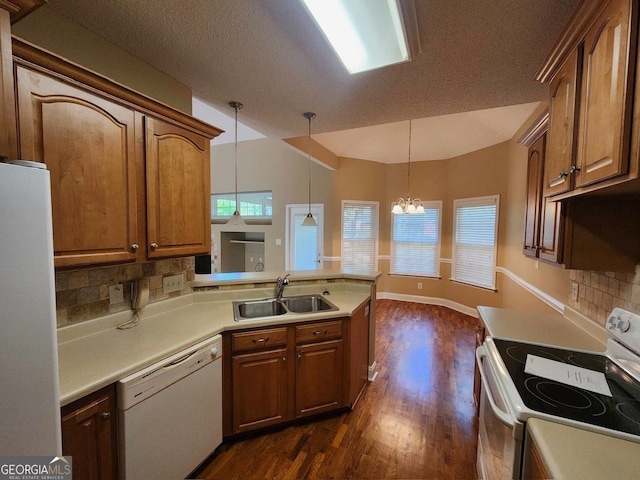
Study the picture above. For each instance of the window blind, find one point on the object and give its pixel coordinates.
(475, 241)
(415, 242)
(359, 235)
(252, 205)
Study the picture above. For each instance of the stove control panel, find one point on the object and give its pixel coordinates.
(625, 326)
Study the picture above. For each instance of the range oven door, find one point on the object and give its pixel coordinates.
(500, 434)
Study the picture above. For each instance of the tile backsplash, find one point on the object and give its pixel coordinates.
(84, 294)
(601, 292)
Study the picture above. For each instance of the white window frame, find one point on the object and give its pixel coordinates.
(393, 267)
(457, 273)
(375, 229)
(260, 197)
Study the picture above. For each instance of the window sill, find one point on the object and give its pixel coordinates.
(427, 277)
(495, 290)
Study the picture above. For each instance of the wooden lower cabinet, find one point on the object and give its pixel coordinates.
(89, 430)
(259, 389)
(281, 373)
(534, 468)
(319, 369)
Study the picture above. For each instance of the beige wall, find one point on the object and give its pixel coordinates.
(268, 164)
(66, 38)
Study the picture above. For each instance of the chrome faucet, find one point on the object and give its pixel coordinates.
(280, 284)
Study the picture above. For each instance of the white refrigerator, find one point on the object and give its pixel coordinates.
(29, 388)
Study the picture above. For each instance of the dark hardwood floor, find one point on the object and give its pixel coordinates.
(416, 421)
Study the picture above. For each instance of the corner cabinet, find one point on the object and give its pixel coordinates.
(130, 177)
(89, 435)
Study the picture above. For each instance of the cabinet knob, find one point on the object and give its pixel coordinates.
(284, 359)
(261, 340)
(105, 415)
(135, 246)
(299, 357)
(563, 174)
(575, 168)
(154, 245)
(319, 332)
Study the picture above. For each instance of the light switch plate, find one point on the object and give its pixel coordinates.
(172, 283)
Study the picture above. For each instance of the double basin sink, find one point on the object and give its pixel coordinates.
(271, 307)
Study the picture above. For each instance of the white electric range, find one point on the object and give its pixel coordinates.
(511, 395)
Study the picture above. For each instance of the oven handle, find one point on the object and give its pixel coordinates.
(481, 352)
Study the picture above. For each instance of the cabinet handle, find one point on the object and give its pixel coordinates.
(318, 332)
(135, 246)
(575, 168)
(105, 415)
(154, 245)
(261, 340)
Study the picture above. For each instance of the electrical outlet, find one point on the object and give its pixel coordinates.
(574, 291)
(172, 283)
(419, 285)
(116, 294)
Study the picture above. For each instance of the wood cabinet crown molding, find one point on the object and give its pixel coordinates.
(573, 32)
(535, 130)
(35, 58)
(20, 8)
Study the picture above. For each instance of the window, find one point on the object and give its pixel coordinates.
(359, 235)
(415, 242)
(475, 223)
(253, 206)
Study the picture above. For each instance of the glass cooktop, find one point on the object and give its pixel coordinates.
(620, 412)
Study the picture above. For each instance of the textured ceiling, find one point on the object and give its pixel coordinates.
(269, 55)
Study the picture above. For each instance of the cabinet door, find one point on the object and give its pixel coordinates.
(551, 231)
(89, 436)
(534, 197)
(178, 191)
(477, 381)
(358, 361)
(318, 377)
(259, 389)
(87, 143)
(562, 126)
(606, 95)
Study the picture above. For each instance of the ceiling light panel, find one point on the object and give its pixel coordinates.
(365, 34)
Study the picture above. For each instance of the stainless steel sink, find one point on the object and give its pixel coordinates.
(246, 310)
(270, 307)
(308, 304)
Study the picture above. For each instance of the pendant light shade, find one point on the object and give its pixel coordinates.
(309, 221)
(408, 205)
(236, 219)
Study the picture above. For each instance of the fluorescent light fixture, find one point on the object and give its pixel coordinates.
(364, 34)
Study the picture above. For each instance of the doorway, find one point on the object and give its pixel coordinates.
(304, 245)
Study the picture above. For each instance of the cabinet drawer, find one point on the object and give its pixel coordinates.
(272, 337)
(316, 332)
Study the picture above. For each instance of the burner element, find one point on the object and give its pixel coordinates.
(519, 353)
(559, 395)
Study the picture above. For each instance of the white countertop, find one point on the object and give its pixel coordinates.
(95, 354)
(569, 453)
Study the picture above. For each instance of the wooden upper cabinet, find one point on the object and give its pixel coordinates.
(605, 115)
(562, 127)
(535, 166)
(88, 144)
(178, 190)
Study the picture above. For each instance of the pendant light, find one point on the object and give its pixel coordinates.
(309, 221)
(408, 205)
(236, 219)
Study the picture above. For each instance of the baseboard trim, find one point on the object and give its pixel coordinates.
(373, 373)
(442, 302)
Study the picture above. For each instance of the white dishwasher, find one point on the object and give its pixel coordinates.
(170, 414)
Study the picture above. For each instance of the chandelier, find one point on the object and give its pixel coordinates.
(408, 205)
